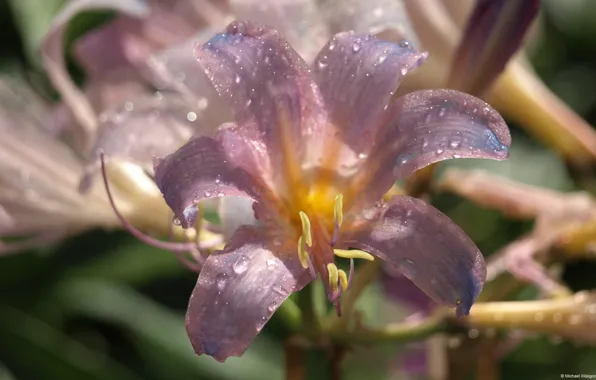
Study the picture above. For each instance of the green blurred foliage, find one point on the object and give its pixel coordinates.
(103, 306)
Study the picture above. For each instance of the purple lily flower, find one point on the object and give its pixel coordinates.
(316, 149)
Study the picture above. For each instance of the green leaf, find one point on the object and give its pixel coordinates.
(41, 352)
(132, 262)
(160, 335)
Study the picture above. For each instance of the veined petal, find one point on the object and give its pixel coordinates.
(268, 86)
(175, 69)
(429, 249)
(357, 76)
(200, 169)
(387, 19)
(238, 290)
(52, 53)
(143, 128)
(494, 32)
(299, 21)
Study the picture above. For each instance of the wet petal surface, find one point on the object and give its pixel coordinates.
(358, 75)
(267, 85)
(238, 290)
(429, 249)
(200, 170)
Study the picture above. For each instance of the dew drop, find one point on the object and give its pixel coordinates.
(191, 116)
(456, 156)
(203, 103)
(404, 70)
(442, 112)
(279, 290)
(356, 47)
(217, 180)
(207, 194)
(382, 58)
(405, 44)
(129, 106)
(362, 156)
(221, 279)
(176, 222)
(439, 151)
(271, 263)
(454, 144)
(272, 306)
(321, 65)
(332, 44)
(241, 265)
(237, 79)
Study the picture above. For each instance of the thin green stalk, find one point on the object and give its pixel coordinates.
(291, 314)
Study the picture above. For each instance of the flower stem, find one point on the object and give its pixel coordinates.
(290, 313)
(394, 332)
(310, 322)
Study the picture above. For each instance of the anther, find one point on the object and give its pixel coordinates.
(343, 280)
(333, 277)
(306, 228)
(302, 253)
(353, 254)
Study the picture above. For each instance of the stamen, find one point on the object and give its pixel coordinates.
(303, 253)
(333, 277)
(343, 279)
(338, 214)
(306, 228)
(353, 254)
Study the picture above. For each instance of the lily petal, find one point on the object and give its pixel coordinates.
(200, 169)
(268, 86)
(238, 290)
(358, 75)
(52, 54)
(143, 128)
(493, 34)
(299, 21)
(175, 69)
(429, 249)
(387, 19)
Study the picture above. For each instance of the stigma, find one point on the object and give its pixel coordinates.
(312, 249)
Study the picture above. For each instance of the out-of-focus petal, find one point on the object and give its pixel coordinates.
(200, 169)
(358, 76)
(176, 69)
(493, 34)
(52, 54)
(143, 128)
(268, 86)
(235, 212)
(238, 290)
(429, 249)
(299, 21)
(385, 18)
(39, 173)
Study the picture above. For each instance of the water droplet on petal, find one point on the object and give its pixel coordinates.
(271, 263)
(129, 106)
(321, 65)
(272, 306)
(356, 47)
(207, 194)
(217, 179)
(456, 156)
(382, 58)
(241, 265)
(442, 112)
(237, 79)
(191, 116)
(280, 290)
(221, 279)
(439, 152)
(332, 44)
(405, 44)
(404, 70)
(176, 221)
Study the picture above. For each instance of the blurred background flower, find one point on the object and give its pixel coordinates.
(120, 76)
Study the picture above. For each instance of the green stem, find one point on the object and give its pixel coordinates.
(310, 322)
(394, 332)
(291, 314)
